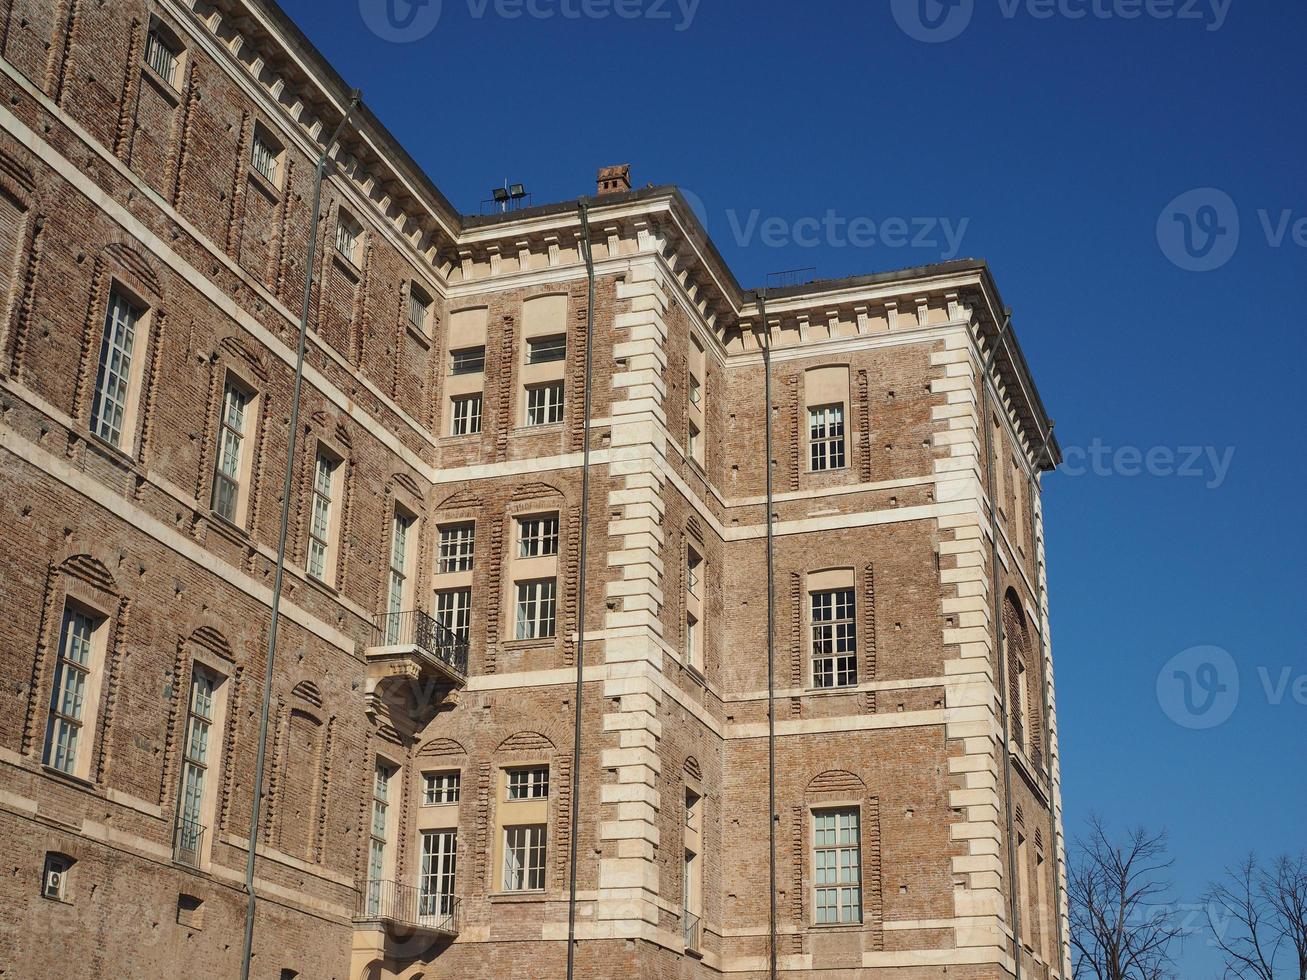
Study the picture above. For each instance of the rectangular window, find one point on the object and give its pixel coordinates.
(826, 437)
(468, 360)
(524, 858)
(378, 833)
(834, 639)
(265, 158)
(324, 479)
(456, 547)
(528, 784)
(437, 876)
(401, 525)
(114, 377)
(546, 350)
(544, 403)
(454, 612)
(692, 639)
(695, 392)
(72, 686)
(162, 54)
(466, 415)
(348, 233)
(231, 448)
(440, 788)
(537, 536)
(693, 570)
(419, 309)
(54, 876)
(837, 862)
(195, 769)
(535, 609)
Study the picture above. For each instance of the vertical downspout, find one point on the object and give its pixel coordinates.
(997, 604)
(287, 485)
(583, 211)
(771, 646)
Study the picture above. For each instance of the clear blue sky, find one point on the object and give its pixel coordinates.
(1060, 142)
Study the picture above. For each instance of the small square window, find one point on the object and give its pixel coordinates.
(163, 53)
(265, 156)
(546, 350)
(54, 876)
(419, 308)
(528, 784)
(348, 234)
(537, 536)
(465, 415)
(468, 360)
(457, 548)
(544, 404)
(440, 788)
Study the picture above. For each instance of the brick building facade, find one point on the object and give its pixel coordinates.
(156, 178)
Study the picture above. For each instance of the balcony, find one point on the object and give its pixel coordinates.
(402, 910)
(413, 645)
(188, 843)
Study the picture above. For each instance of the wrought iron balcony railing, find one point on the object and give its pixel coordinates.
(188, 842)
(394, 904)
(416, 628)
(692, 929)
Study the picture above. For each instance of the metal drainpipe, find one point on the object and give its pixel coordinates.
(583, 212)
(771, 646)
(287, 484)
(997, 605)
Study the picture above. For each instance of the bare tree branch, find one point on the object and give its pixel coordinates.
(1262, 913)
(1122, 927)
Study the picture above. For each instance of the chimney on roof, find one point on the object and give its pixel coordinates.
(614, 180)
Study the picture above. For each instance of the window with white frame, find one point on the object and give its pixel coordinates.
(524, 858)
(378, 834)
(537, 536)
(73, 689)
(454, 612)
(265, 156)
(546, 350)
(437, 875)
(544, 403)
(419, 308)
(441, 788)
(162, 53)
(528, 784)
(536, 602)
(113, 382)
(195, 768)
(320, 516)
(693, 572)
(837, 865)
(467, 360)
(457, 543)
(826, 438)
(348, 235)
(397, 578)
(231, 451)
(465, 415)
(834, 639)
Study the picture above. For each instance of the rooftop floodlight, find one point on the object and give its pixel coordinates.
(517, 192)
(501, 194)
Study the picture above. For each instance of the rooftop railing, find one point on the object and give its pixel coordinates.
(406, 906)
